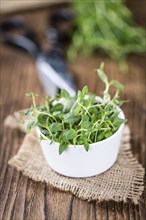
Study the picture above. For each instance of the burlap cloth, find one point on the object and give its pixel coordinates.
(123, 181)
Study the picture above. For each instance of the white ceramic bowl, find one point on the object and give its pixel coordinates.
(76, 162)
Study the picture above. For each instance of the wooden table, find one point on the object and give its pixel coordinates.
(22, 198)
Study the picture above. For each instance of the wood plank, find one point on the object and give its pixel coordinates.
(142, 209)
(19, 205)
(12, 194)
(34, 201)
(101, 211)
(126, 211)
(7, 172)
(58, 204)
(119, 213)
(111, 210)
(4, 193)
(83, 210)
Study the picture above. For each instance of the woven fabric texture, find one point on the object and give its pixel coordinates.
(123, 181)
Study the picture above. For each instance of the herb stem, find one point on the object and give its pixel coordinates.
(86, 110)
(45, 113)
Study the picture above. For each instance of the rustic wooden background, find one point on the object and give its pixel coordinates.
(22, 198)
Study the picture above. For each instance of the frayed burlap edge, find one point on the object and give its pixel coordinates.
(83, 188)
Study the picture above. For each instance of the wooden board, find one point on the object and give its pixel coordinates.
(21, 198)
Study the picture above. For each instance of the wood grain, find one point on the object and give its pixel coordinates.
(21, 198)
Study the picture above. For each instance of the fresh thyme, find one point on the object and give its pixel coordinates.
(107, 26)
(79, 120)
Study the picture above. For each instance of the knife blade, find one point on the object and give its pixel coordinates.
(50, 79)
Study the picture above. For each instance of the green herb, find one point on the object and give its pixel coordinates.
(107, 26)
(79, 120)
